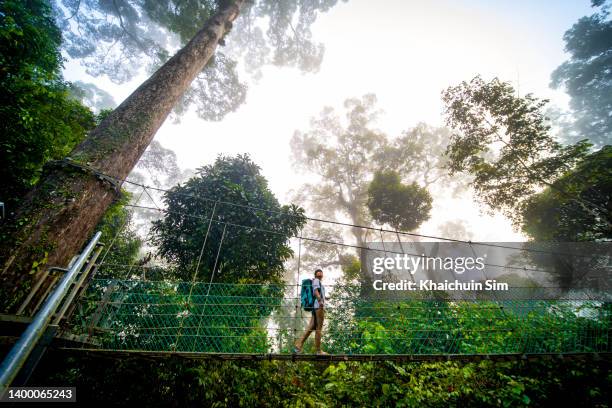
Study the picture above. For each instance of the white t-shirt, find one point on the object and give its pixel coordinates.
(316, 284)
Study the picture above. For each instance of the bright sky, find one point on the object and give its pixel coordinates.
(406, 52)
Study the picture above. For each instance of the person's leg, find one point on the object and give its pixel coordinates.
(309, 329)
(319, 328)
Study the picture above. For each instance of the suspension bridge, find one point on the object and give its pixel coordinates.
(112, 308)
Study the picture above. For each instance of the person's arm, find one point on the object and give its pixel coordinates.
(318, 295)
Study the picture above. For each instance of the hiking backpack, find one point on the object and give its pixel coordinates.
(307, 295)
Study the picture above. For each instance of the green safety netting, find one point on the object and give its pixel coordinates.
(248, 318)
(135, 313)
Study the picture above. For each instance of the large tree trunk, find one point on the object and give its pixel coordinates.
(359, 235)
(59, 214)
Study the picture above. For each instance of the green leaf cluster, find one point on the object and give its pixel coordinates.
(587, 76)
(551, 191)
(227, 217)
(551, 216)
(38, 119)
(180, 382)
(403, 206)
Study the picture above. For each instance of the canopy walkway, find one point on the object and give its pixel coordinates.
(135, 308)
(127, 310)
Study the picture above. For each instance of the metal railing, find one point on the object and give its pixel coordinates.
(20, 352)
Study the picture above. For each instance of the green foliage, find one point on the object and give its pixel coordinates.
(38, 120)
(351, 267)
(551, 216)
(178, 316)
(403, 206)
(434, 324)
(246, 232)
(587, 76)
(231, 200)
(122, 247)
(470, 327)
(102, 115)
(120, 38)
(116, 229)
(344, 155)
(212, 321)
(180, 382)
(505, 143)
(230, 318)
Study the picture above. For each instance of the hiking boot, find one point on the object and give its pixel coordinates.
(322, 353)
(296, 350)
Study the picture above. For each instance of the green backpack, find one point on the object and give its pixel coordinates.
(307, 295)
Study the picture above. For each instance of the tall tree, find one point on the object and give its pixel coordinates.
(587, 76)
(418, 155)
(551, 216)
(345, 155)
(121, 38)
(505, 142)
(227, 218)
(60, 213)
(402, 206)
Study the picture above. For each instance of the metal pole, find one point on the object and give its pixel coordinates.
(78, 284)
(26, 343)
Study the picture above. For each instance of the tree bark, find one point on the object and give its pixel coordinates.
(60, 213)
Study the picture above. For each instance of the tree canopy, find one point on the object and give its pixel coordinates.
(345, 155)
(38, 119)
(226, 221)
(246, 229)
(117, 38)
(92, 96)
(505, 142)
(587, 76)
(402, 206)
(551, 216)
